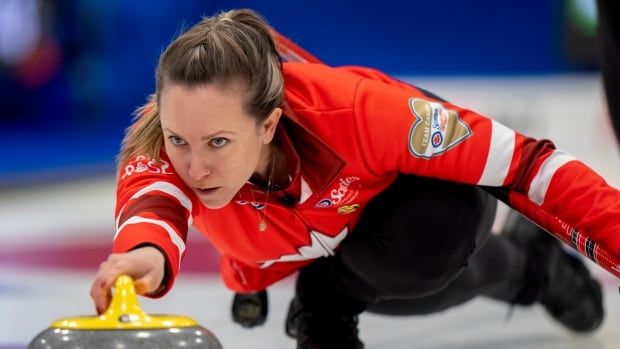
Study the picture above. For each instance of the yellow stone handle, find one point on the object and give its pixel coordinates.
(124, 307)
(124, 312)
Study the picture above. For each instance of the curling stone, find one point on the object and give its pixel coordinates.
(125, 325)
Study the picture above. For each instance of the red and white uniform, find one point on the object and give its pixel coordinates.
(348, 132)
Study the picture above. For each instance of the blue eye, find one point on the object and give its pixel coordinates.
(176, 140)
(218, 142)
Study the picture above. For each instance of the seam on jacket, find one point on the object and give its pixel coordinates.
(356, 120)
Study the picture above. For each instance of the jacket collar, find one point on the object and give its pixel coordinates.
(319, 163)
(313, 165)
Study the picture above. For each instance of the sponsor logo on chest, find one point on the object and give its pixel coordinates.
(143, 164)
(256, 205)
(345, 192)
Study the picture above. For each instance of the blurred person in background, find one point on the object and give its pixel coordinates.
(52, 74)
(368, 186)
(30, 59)
(609, 38)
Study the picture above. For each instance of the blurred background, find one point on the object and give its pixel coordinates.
(73, 72)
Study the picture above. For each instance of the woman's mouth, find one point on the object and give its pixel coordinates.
(206, 191)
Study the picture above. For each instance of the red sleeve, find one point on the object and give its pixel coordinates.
(403, 130)
(153, 207)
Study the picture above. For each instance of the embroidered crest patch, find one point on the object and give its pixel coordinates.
(435, 129)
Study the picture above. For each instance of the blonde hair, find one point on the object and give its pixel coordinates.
(230, 46)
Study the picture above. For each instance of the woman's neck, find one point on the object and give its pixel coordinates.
(273, 159)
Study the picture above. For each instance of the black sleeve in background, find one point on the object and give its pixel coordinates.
(609, 36)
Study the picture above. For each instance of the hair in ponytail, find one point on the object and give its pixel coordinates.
(231, 46)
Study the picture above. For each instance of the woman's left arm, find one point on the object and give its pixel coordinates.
(402, 129)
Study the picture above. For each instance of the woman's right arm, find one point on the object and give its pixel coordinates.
(153, 213)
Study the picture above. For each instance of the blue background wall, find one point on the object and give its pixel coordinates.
(71, 120)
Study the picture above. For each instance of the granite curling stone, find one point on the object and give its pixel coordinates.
(125, 325)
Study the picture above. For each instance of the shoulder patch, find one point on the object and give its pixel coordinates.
(435, 129)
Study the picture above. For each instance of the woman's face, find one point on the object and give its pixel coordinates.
(213, 145)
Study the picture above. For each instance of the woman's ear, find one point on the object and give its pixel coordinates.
(269, 125)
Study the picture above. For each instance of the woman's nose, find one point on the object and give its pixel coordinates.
(198, 167)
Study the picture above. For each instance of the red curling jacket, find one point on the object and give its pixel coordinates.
(347, 133)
